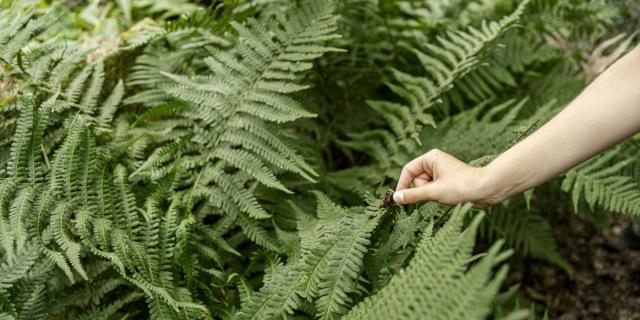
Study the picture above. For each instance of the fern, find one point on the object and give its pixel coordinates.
(528, 233)
(454, 56)
(601, 184)
(63, 204)
(435, 284)
(13, 271)
(332, 268)
(160, 160)
(327, 270)
(279, 296)
(18, 29)
(232, 109)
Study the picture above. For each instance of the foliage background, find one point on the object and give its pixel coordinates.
(226, 159)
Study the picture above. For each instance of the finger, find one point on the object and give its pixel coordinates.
(427, 192)
(413, 169)
(419, 182)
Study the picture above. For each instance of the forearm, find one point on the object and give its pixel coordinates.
(605, 113)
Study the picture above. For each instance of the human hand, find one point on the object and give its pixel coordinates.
(438, 176)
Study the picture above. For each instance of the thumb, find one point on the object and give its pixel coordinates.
(426, 192)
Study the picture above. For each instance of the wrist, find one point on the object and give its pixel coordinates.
(494, 185)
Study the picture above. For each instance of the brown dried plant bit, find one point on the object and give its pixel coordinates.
(387, 201)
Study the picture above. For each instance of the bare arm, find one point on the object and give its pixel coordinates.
(605, 113)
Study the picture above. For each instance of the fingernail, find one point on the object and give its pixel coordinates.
(398, 197)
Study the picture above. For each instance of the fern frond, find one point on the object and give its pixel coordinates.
(280, 295)
(251, 82)
(17, 165)
(246, 162)
(394, 251)
(18, 214)
(108, 311)
(254, 230)
(60, 219)
(110, 106)
(231, 186)
(34, 307)
(435, 284)
(18, 29)
(528, 233)
(339, 278)
(127, 217)
(602, 184)
(17, 268)
(454, 56)
(7, 192)
(92, 93)
(327, 270)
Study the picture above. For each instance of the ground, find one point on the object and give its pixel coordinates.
(603, 281)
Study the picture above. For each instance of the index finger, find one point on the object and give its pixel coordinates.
(411, 170)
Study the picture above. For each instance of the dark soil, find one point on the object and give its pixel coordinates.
(603, 281)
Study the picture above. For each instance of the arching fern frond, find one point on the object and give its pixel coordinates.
(328, 268)
(18, 28)
(454, 55)
(339, 277)
(234, 142)
(12, 271)
(528, 233)
(251, 83)
(601, 183)
(435, 285)
(280, 295)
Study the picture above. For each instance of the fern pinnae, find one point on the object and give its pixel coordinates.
(460, 50)
(111, 308)
(33, 307)
(12, 271)
(279, 295)
(7, 192)
(262, 148)
(253, 229)
(312, 263)
(602, 184)
(248, 163)
(85, 165)
(156, 291)
(245, 201)
(528, 233)
(127, 218)
(19, 211)
(92, 93)
(261, 97)
(437, 266)
(61, 181)
(20, 29)
(44, 206)
(20, 144)
(339, 282)
(60, 219)
(74, 90)
(110, 105)
(36, 152)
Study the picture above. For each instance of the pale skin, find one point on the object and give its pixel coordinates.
(605, 113)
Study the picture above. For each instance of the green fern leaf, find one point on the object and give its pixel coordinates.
(279, 295)
(601, 184)
(435, 285)
(60, 218)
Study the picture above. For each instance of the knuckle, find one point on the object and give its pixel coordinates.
(434, 152)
